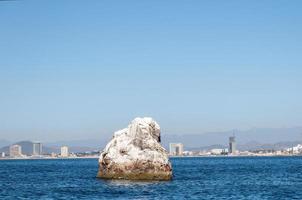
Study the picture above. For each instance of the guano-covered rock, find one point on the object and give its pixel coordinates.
(135, 153)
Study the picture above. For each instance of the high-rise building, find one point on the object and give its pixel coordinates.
(15, 151)
(64, 151)
(176, 149)
(3, 154)
(232, 145)
(37, 148)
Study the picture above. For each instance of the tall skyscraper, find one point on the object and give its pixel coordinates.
(37, 148)
(232, 145)
(64, 151)
(176, 149)
(15, 151)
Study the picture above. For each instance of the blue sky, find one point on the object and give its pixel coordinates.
(80, 69)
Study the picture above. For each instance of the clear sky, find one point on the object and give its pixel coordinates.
(80, 69)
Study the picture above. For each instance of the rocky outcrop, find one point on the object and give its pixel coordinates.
(135, 153)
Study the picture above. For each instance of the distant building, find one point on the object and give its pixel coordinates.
(15, 151)
(295, 150)
(37, 148)
(64, 151)
(232, 145)
(217, 151)
(53, 155)
(176, 149)
(3, 154)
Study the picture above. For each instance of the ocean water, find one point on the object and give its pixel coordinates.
(194, 178)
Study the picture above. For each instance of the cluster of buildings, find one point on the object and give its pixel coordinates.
(15, 151)
(177, 149)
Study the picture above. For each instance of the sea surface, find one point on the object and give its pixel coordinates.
(194, 178)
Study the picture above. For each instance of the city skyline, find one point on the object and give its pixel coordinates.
(195, 67)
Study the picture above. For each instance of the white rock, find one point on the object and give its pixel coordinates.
(136, 153)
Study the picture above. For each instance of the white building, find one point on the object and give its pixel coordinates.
(53, 155)
(295, 150)
(37, 148)
(15, 151)
(217, 151)
(176, 149)
(64, 151)
(3, 154)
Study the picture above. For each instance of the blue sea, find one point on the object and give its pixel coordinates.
(194, 178)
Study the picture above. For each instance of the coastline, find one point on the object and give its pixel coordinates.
(51, 158)
(97, 157)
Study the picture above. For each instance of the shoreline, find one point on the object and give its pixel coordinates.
(50, 158)
(206, 156)
(237, 156)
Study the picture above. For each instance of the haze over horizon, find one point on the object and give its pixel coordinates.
(194, 67)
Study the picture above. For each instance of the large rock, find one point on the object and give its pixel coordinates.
(136, 153)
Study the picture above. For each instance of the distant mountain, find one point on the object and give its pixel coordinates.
(252, 139)
(260, 135)
(82, 149)
(92, 144)
(207, 148)
(4, 143)
(250, 146)
(74, 149)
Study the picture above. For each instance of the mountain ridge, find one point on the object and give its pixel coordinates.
(251, 139)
